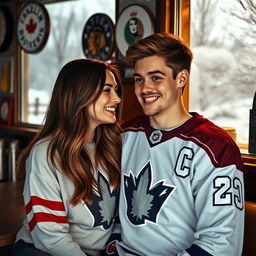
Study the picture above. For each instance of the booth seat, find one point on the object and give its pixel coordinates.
(249, 248)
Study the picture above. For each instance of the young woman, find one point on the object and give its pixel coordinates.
(73, 165)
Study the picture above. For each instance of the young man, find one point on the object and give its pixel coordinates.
(182, 181)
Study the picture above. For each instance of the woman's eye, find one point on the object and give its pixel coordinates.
(106, 90)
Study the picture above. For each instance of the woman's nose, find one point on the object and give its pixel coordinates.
(116, 98)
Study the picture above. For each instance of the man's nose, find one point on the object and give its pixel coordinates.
(147, 86)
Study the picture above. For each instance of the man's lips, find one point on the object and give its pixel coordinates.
(150, 99)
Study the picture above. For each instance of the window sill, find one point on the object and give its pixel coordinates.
(249, 159)
(16, 130)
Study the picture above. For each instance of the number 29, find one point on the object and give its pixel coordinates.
(224, 196)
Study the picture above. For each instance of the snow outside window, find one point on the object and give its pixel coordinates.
(223, 39)
(64, 44)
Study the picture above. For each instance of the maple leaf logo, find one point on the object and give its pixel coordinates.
(104, 205)
(144, 201)
(31, 26)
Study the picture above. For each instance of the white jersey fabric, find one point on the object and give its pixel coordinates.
(181, 192)
(52, 223)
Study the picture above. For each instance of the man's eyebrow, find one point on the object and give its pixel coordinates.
(156, 72)
(151, 73)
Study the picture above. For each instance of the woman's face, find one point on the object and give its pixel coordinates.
(103, 111)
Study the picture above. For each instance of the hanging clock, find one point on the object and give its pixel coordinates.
(135, 22)
(98, 37)
(6, 25)
(33, 27)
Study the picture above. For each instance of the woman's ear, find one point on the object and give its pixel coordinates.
(182, 78)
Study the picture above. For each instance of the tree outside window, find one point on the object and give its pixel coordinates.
(64, 44)
(223, 36)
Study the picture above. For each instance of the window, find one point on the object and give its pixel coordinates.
(67, 21)
(222, 37)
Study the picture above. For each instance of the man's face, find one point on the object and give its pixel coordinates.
(157, 92)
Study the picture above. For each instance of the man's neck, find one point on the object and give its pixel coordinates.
(172, 120)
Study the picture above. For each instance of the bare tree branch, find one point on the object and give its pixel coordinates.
(203, 22)
(245, 11)
(249, 14)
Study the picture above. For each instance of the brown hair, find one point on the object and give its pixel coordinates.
(177, 55)
(79, 83)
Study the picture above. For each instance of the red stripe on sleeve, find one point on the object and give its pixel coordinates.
(45, 217)
(53, 205)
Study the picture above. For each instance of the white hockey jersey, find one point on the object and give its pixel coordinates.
(182, 191)
(53, 224)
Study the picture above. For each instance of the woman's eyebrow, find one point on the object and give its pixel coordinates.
(112, 86)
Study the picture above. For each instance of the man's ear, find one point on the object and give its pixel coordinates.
(182, 78)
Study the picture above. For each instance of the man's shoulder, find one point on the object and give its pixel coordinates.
(207, 130)
(137, 122)
(215, 141)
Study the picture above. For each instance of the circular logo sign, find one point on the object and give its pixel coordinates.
(33, 27)
(98, 37)
(134, 23)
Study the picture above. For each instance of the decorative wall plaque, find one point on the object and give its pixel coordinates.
(135, 22)
(33, 27)
(98, 37)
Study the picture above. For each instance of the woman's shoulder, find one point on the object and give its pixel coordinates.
(38, 154)
(40, 147)
(38, 161)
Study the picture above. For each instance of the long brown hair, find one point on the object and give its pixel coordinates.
(79, 83)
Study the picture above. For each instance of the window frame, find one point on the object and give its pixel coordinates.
(22, 78)
(177, 21)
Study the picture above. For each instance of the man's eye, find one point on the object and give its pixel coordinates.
(137, 79)
(155, 78)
